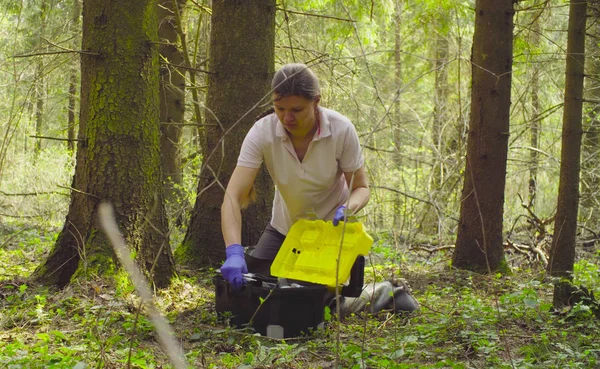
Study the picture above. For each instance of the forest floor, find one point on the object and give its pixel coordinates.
(465, 320)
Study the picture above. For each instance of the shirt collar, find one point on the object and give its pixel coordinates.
(325, 125)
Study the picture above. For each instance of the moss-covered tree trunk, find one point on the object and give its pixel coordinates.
(172, 100)
(241, 64)
(479, 240)
(118, 156)
(562, 252)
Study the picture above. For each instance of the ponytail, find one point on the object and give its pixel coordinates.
(271, 110)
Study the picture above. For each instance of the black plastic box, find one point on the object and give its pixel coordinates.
(357, 278)
(285, 313)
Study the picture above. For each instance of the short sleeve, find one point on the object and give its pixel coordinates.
(251, 154)
(351, 158)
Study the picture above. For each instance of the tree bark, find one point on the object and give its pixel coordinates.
(479, 239)
(562, 252)
(242, 62)
(118, 156)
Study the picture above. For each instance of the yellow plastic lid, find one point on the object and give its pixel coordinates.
(311, 248)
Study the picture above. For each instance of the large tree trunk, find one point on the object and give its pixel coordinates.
(172, 100)
(562, 252)
(479, 240)
(242, 62)
(118, 157)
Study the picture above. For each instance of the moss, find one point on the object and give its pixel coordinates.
(98, 260)
(503, 267)
(97, 264)
(184, 254)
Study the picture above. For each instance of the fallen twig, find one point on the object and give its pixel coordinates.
(163, 330)
(431, 250)
(527, 250)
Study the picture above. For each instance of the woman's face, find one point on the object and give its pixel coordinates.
(297, 114)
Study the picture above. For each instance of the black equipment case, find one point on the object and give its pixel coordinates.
(280, 311)
(269, 309)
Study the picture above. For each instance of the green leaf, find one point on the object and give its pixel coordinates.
(327, 314)
(59, 334)
(530, 302)
(397, 354)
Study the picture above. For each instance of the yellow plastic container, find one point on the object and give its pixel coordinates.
(311, 248)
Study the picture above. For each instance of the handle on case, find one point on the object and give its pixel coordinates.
(357, 278)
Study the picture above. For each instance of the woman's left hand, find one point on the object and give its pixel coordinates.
(340, 213)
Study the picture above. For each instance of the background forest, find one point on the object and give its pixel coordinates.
(402, 70)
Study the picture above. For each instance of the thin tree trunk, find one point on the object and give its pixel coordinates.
(590, 179)
(398, 208)
(172, 101)
(479, 240)
(562, 252)
(76, 12)
(535, 131)
(240, 78)
(441, 133)
(190, 64)
(40, 85)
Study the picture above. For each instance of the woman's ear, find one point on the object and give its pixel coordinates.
(317, 99)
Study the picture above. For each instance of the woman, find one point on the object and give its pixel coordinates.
(314, 158)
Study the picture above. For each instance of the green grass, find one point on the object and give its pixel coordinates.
(465, 321)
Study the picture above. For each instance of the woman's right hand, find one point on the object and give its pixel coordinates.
(234, 266)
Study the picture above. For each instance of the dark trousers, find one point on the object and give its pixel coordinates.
(260, 257)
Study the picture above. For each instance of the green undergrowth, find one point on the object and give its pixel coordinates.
(465, 321)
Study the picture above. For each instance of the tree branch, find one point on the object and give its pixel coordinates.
(33, 193)
(56, 52)
(58, 138)
(185, 67)
(404, 194)
(376, 149)
(315, 15)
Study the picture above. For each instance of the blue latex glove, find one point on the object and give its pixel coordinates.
(339, 215)
(234, 266)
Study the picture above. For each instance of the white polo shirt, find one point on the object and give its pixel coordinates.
(317, 183)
